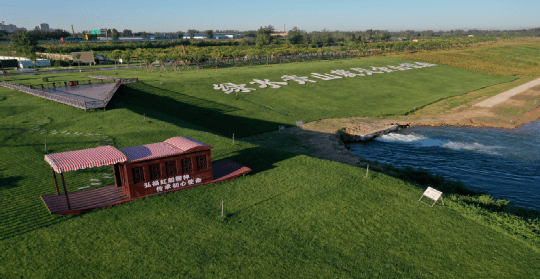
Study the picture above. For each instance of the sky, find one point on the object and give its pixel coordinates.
(243, 15)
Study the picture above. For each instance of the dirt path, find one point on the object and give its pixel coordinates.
(320, 138)
(499, 98)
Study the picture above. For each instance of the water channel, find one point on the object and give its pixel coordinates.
(502, 162)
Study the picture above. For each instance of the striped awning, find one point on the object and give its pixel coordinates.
(149, 151)
(108, 155)
(86, 158)
(185, 143)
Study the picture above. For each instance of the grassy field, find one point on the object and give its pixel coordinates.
(500, 58)
(292, 216)
(192, 94)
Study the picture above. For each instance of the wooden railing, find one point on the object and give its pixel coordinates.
(68, 101)
(66, 84)
(122, 80)
(46, 95)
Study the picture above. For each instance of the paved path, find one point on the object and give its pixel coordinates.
(499, 98)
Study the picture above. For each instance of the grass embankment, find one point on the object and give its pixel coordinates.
(498, 58)
(193, 95)
(293, 216)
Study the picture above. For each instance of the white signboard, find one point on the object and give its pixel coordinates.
(432, 194)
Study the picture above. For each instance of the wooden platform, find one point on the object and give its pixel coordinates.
(87, 200)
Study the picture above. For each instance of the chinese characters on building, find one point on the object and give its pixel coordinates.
(172, 183)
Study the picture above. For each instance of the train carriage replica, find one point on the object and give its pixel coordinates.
(139, 171)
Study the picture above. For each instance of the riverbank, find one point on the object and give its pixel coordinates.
(325, 138)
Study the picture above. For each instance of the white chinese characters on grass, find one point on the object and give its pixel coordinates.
(403, 67)
(384, 69)
(300, 80)
(325, 76)
(265, 83)
(424, 64)
(344, 73)
(368, 72)
(230, 87)
(335, 74)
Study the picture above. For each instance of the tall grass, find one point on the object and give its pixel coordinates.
(498, 58)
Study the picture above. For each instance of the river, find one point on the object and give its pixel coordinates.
(504, 163)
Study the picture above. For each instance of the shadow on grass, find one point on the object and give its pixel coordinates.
(258, 203)
(204, 113)
(9, 182)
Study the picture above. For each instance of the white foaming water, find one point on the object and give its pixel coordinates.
(392, 137)
(472, 147)
(426, 142)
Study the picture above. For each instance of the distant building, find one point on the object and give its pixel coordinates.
(43, 27)
(227, 36)
(195, 37)
(280, 33)
(215, 36)
(10, 28)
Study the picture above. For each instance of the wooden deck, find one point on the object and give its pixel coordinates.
(87, 200)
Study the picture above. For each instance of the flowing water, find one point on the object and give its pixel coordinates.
(504, 163)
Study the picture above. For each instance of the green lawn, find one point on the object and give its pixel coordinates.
(192, 95)
(293, 216)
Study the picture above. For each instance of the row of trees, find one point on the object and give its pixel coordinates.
(37, 35)
(233, 55)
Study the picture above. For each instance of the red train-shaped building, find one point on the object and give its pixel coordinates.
(139, 171)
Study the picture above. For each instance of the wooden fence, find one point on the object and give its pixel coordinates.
(46, 95)
(68, 101)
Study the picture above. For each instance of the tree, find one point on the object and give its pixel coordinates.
(209, 34)
(327, 37)
(78, 57)
(126, 55)
(114, 34)
(127, 33)
(175, 57)
(264, 35)
(191, 33)
(180, 35)
(3, 35)
(163, 57)
(144, 35)
(23, 43)
(369, 34)
(296, 36)
(115, 55)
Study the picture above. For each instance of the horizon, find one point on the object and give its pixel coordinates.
(316, 15)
